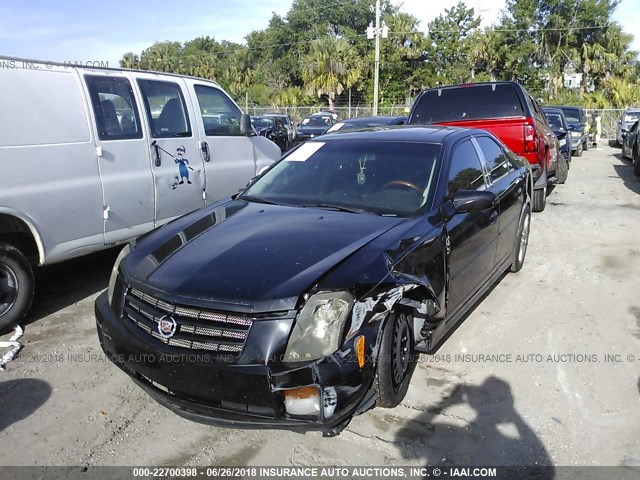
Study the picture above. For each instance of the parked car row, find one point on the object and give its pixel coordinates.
(631, 145)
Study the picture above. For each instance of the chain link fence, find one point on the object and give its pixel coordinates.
(297, 113)
(608, 121)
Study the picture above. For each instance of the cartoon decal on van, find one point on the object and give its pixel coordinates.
(183, 164)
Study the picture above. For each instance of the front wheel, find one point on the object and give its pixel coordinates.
(17, 286)
(579, 150)
(539, 199)
(396, 361)
(522, 241)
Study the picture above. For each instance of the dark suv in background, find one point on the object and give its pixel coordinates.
(577, 121)
(506, 110)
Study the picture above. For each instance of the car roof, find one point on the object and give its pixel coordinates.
(403, 133)
(628, 110)
(275, 115)
(562, 107)
(552, 110)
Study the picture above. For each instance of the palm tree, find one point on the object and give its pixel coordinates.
(130, 60)
(331, 66)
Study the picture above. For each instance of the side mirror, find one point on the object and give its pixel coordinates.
(624, 133)
(245, 125)
(571, 128)
(472, 200)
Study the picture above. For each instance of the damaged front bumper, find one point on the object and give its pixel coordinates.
(209, 388)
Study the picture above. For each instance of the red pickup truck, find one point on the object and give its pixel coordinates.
(506, 110)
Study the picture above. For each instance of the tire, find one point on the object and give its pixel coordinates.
(578, 152)
(585, 146)
(396, 361)
(636, 164)
(539, 200)
(562, 171)
(17, 286)
(522, 240)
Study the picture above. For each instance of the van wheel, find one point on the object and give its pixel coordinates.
(522, 241)
(17, 286)
(397, 359)
(539, 199)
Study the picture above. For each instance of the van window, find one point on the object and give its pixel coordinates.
(496, 161)
(220, 115)
(114, 107)
(467, 103)
(166, 109)
(465, 171)
(41, 107)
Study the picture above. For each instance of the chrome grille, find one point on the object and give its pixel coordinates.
(196, 329)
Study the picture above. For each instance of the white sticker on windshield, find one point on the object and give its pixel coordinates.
(305, 151)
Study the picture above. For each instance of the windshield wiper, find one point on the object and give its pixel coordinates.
(251, 198)
(336, 207)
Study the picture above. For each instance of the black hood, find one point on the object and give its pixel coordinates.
(313, 130)
(251, 254)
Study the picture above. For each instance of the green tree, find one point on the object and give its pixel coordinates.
(330, 67)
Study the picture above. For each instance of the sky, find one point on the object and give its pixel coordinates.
(75, 31)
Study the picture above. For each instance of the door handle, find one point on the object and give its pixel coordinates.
(156, 149)
(204, 146)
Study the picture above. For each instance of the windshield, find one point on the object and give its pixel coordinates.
(555, 120)
(316, 121)
(382, 177)
(631, 117)
(261, 122)
(572, 115)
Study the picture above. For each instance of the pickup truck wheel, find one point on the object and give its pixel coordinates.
(522, 241)
(578, 152)
(539, 199)
(17, 286)
(396, 361)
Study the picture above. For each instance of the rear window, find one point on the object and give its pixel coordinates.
(572, 115)
(467, 103)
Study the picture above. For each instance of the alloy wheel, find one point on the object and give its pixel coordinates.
(401, 348)
(8, 289)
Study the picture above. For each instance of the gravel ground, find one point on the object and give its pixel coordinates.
(545, 370)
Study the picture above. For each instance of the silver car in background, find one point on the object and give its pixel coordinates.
(628, 118)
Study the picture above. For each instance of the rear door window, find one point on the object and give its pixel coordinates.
(115, 109)
(495, 158)
(465, 170)
(467, 103)
(166, 109)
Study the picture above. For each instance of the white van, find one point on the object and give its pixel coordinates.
(93, 157)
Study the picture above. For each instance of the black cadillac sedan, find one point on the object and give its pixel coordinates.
(305, 299)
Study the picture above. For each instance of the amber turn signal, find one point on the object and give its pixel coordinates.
(359, 346)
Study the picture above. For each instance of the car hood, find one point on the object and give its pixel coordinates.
(313, 130)
(260, 257)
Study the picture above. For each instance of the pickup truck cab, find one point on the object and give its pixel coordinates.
(504, 109)
(94, 157)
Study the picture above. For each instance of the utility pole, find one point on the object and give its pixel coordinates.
(376, 75)
(377, 32)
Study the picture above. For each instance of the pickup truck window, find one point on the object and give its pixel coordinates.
(465, 170)
(496, 161)
(220, 115)
(467, 103)
(114, 107)
(166, 109)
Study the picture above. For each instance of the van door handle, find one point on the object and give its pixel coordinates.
(156, 149)
(204, 146)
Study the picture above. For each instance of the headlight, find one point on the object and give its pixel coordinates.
(114, 273)
(319, 326)
(576, 134)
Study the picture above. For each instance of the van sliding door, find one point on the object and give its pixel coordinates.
(177, 165)
(123, 157)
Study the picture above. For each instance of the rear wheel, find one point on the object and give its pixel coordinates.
(586, 145)
(396, 361)
(539, 199)
(562, 171)
(522, 241)
(16, 287)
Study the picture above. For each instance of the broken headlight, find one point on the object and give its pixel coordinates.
(114, 273)
(318, 329)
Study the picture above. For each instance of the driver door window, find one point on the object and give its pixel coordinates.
(465, 170)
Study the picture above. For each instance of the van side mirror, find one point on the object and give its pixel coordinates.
(246, 128)
(472, 200)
